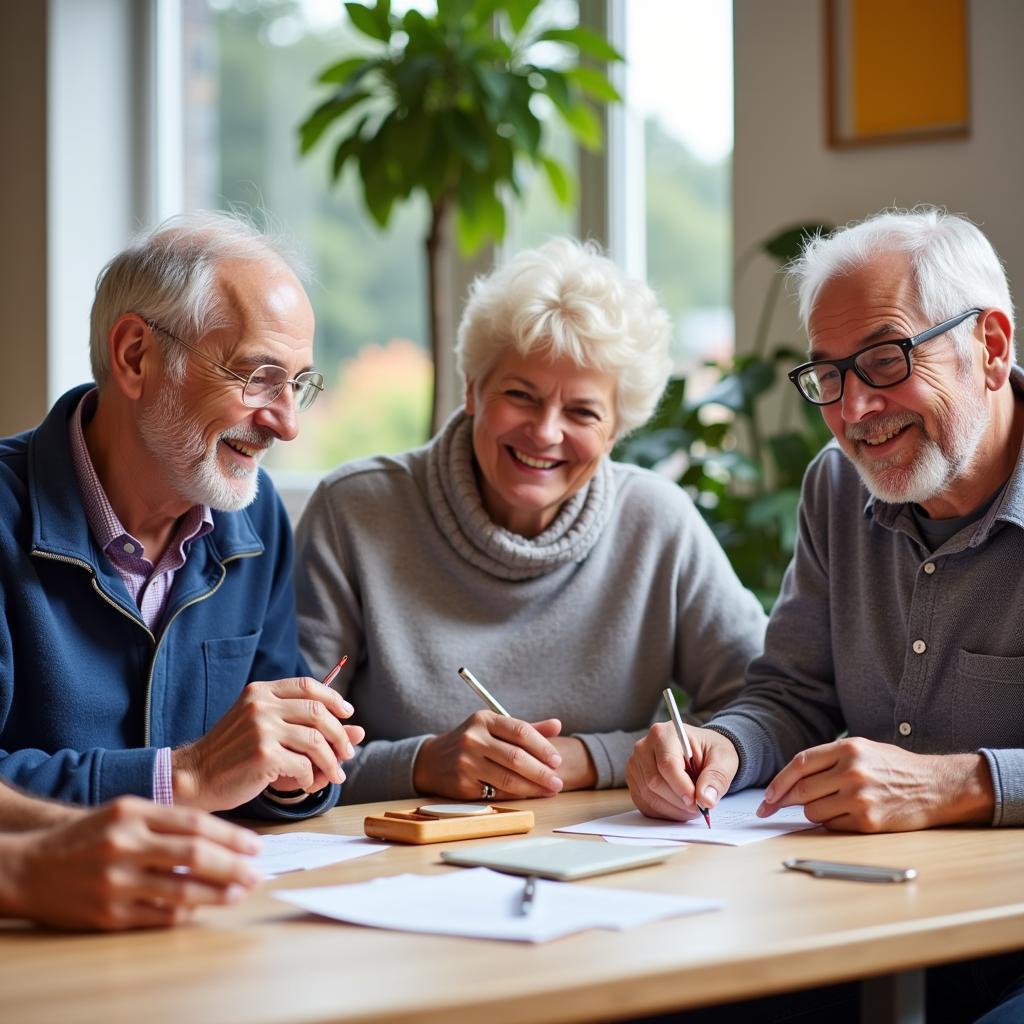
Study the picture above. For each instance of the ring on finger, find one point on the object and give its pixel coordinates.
(487, 791)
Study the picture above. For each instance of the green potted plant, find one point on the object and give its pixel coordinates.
(449, 106)
(744, 477)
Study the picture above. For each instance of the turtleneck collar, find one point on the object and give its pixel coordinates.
(458, 511)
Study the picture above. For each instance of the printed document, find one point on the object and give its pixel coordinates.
(300, 851)
(733, 823)
(484, 904)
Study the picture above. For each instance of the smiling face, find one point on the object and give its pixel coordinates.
(209, 443)
(913, 441)
(540, 430)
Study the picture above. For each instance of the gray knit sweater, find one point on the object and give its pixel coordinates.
(399, 566)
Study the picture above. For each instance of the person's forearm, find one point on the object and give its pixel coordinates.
(19, 813)
(13, 850)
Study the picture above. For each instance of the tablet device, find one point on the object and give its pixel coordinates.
(561, 859)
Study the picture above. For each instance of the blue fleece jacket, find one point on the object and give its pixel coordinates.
(87, 692)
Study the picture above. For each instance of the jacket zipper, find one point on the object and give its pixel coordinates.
(138, 622)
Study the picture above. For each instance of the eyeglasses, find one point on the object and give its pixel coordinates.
(881, 365)
(263, 386)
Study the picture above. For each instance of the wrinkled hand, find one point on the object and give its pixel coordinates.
(288, 729)
(115, 867)
(858, 785)
(657, 778)
(515, 757)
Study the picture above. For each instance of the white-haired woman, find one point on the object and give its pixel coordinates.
(574, 587)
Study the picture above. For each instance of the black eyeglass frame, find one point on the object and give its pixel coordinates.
(906, 345)
(296, 383)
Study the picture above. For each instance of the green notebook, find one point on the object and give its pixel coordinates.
(561, 859)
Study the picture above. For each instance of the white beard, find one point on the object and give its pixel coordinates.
(193, 469)
(936, 463)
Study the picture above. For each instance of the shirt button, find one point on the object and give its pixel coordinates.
(929, 567)
(920, 647)
(905, 729)
(129, 548)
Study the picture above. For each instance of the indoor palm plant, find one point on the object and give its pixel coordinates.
(743, 475)
(451, 106)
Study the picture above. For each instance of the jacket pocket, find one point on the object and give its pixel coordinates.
(988, 702)
(228, 662)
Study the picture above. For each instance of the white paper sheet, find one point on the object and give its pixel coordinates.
(484, 904)
(733, 823)
(299, 851)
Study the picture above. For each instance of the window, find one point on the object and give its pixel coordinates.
(679, 87)
(250, 68)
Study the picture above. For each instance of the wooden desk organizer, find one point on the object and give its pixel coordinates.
(419, 829)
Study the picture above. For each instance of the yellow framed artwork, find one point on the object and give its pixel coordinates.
(897, 71)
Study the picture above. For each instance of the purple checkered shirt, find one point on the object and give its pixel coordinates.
(149, 585)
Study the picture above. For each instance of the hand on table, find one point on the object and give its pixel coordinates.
(657, 778)
(285, 733)
(513, 756)
(859, 785)
(114, 867)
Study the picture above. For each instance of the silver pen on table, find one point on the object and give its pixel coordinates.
(528, 896)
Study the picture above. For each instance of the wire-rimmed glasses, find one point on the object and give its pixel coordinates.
(263, 386)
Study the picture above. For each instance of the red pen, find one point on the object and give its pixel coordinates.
(329, 678)
(677, 721)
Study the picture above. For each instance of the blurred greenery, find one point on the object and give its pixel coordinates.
(451, 105)
(744, 477)
(251, 67)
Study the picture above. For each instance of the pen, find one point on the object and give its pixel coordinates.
(529, 892)
(329, 678)
(481, 691)
(677, 721)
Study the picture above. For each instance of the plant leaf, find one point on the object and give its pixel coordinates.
(323, 116)
(593, 83)
(560, 179)
(584, 124)
(369, 21)
(787, 244)
(585, 40)
(338, 74)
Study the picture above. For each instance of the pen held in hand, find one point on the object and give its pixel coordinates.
(482, 692)
(528, 896)
(677, 721)
(329, 678)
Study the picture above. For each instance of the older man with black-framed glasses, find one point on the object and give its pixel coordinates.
(899, 620)
(147, 636)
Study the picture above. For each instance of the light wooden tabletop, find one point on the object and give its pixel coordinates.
(266, 961)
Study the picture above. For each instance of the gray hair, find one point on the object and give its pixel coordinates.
(169, 276)
(953, 264)
(567, 299)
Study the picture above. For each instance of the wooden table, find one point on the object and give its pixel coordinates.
(266, 961)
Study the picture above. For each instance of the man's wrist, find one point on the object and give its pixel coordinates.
(15, 855)
(185, 777)
(964, 791)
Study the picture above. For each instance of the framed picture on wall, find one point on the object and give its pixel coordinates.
(897, 71)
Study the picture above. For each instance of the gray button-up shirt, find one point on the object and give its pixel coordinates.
(875, 634)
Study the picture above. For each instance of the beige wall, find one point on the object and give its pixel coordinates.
(784, 173)
(23, 215)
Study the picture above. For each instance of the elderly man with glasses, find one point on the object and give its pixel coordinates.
(899, 620)
(147, 635)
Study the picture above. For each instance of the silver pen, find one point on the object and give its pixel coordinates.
(529, 893)
(482, 692)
